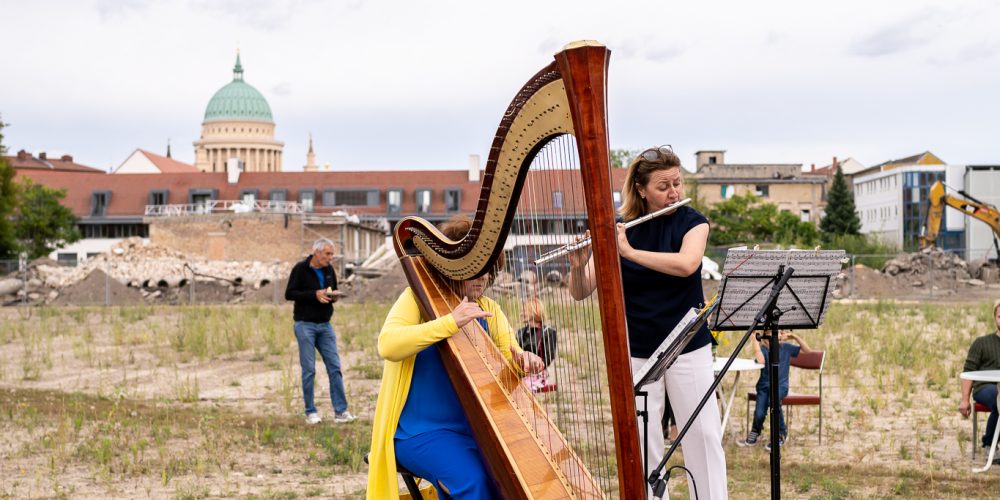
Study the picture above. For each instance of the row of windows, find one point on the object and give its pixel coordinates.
(114, 230)
(881, 213)
(878, 185)
(727, 191)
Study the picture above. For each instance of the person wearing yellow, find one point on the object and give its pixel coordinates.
(418, 420)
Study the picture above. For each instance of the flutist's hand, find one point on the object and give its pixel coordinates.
(579, 257)
(624, 247)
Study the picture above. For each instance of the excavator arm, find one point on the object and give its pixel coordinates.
(969, 206)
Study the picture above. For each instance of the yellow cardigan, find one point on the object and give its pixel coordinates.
(404, 335)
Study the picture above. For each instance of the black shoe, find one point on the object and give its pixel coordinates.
(781, 442)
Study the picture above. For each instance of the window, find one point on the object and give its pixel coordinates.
(394, 200)
(712, 160)
(158, 197)
(99, 201)
(248, 197)
(278, 195)
(423, 197)
(201, 199)
(66, 259)
(557, 199)
(728, 190)
(329, 198)
(307, 197)
(452, 200)
(762, 190)
(804, 215)
(617, 198)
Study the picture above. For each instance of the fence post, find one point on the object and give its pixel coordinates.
(107, 285)
(854, 277)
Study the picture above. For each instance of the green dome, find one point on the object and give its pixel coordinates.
(238, 101)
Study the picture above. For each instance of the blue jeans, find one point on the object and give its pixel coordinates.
(313, 337)
(764, 403)
(987, 396)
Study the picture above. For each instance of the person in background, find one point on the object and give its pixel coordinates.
(312, 286)
(984, 354)
(786, 351)
(537, 338)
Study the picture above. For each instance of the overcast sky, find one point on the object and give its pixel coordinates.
(421, 84)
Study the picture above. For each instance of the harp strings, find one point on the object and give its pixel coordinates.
(574, 394)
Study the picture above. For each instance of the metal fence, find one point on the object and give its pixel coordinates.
(914, 276)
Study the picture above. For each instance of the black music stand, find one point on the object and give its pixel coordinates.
(799, 302)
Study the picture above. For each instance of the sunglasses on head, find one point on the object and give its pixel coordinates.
(654, 154)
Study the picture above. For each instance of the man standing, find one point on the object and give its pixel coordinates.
(312, 284)
(984, 354)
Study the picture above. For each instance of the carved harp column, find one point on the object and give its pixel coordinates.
(528, 456)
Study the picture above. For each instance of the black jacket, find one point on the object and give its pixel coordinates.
(541, 341)
(302, 286)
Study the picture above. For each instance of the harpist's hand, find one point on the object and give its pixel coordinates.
(467, 311)
(528, 361)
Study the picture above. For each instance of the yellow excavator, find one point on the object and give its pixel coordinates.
(970, 206)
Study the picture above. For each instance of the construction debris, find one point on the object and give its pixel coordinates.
(155, 272)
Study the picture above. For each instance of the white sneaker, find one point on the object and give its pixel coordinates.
(343, 418)
(313, 418)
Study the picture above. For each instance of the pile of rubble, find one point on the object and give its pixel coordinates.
(939, 265)
(152, 272)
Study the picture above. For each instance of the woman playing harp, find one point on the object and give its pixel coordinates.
(418, 420)
(661, 264)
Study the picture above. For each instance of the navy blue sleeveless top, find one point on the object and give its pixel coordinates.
(656, 302)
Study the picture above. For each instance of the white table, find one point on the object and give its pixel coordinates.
(739, 366)
(985, 376)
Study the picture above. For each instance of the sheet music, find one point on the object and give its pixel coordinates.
(682, 326)
(748, 276)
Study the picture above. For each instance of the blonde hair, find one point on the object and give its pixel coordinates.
(639, 170)
(534, 311)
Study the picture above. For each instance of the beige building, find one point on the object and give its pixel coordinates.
(781, 184)
(238, 125)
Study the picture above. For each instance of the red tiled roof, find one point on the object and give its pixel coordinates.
(130, 192)
(25, 161)
(168, 165)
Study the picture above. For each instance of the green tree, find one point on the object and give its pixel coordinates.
(620, 158)
(841, 216)
(41, 223)
(744, 220)
(8, 201)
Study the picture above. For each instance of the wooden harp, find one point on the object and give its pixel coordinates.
(528, 455)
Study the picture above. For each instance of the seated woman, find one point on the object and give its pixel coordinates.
(537, 338)
(418, 420)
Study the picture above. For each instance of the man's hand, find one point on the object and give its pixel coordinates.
(322, 297)
(965, 408)
(529, 362)
(467, 311)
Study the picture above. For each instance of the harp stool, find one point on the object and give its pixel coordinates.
(408, 479)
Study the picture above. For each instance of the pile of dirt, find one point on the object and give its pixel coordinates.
(96, 289)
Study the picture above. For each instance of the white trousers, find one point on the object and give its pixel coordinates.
(685, 383)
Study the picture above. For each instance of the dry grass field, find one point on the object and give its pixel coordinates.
(204, 402)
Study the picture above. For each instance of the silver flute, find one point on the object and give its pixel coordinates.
(572, 247)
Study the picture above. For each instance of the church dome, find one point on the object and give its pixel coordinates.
(238, 101)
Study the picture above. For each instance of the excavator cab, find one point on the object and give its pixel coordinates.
(938, 198)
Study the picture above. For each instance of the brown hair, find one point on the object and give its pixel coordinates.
(534, 310)
(456, 228)
(639, 170)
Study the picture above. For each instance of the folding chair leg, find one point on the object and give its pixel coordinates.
(411, 485)
(975, 432)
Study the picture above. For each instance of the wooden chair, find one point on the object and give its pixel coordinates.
(976, 409)
(408, 478)
(807, 361)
